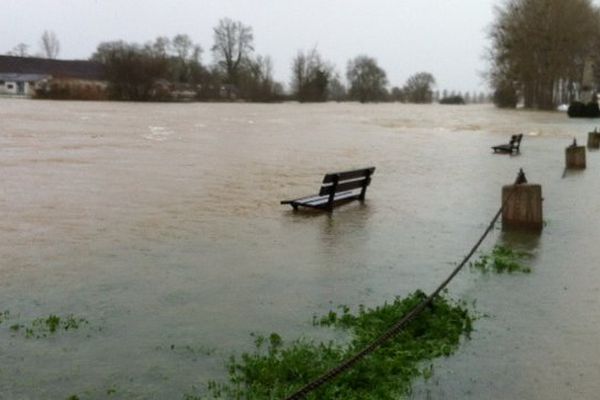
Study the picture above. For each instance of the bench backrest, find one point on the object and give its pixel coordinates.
(515, 140)
(347, 180)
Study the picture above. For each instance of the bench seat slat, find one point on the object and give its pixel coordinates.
(338, 197)
(514, 145)
(503, 147)
(306, 199)
(321, 201)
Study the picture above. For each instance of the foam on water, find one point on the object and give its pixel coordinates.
(158, 133)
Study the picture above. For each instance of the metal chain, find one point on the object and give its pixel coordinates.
(398, 326)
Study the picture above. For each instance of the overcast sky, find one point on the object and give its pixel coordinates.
(444, 37)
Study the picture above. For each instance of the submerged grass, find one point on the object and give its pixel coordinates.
(46, 326)
(4, 315)
(502, 259)
(275, 369)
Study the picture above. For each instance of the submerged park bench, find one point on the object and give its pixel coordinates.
(512, 147)
(337, 187)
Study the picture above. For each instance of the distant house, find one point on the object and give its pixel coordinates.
(27, 76)
(20, 84)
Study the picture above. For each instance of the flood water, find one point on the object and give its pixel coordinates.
(160, 224)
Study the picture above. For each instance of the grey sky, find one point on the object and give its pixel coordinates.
(445, 37)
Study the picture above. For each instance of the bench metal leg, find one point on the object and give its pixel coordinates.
(332, 194)
(363, 191)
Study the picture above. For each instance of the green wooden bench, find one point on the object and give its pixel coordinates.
(513, 146)
(337, 187)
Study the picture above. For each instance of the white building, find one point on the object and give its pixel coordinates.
(20, 84)
(29, 76)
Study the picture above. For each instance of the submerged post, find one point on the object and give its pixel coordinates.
(522, 205)
(575, 156)
(593, 139)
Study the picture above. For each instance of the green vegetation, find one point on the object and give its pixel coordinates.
(4, 315)
(276, 369)
(111, 393)
(44, 327)
(500, 260)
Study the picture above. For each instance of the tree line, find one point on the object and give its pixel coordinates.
(49, 47)
(172, 69)
(540, 52)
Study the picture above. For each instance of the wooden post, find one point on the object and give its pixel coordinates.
(575, 156)
(593, 139)
(522, 206)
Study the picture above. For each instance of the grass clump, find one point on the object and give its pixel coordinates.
(4, 315)
(502, 259)
(275, 369)
(44, 327)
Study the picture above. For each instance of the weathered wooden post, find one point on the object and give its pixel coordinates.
(575, 156)
(522, 205)
(593, 139)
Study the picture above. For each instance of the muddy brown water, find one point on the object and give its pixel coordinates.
(161, 225)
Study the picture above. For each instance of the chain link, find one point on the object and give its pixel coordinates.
(398, 326)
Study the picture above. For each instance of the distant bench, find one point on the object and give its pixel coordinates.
(513, 146)
(337, 187)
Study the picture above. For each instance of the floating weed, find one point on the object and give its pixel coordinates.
(192, 397)
(500, 260)
(44, 327)
(192, 351)
(4, 315)
(276, 368)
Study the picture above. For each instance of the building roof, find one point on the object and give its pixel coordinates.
(75, 69)
(12, 77)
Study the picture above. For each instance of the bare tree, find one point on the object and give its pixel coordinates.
(419, 88)
(310, 76)
(184, 47)
(49, 45)
(161, 46)
(262, 68)
(233, 45)
(20, 50)
(336, 90)
(367, 80)
(299, 72)
(131, 70)
(184, 58)
(257, 82)
(538, 45)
